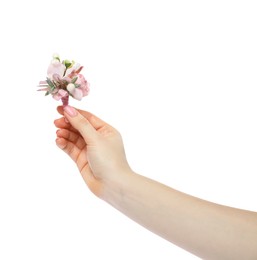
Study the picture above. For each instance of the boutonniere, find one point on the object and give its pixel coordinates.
(64, 80)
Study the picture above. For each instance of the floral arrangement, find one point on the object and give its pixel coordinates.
(64, 80)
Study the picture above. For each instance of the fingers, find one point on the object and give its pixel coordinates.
(64, 124)
(72, 144)
(71, 137)
(81, 123)
(94, 120)
(61, 123)
(60, 110)
(69, 148)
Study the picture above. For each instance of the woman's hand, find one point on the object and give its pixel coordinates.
(95, 147)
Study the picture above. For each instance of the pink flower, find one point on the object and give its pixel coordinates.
(84, 85)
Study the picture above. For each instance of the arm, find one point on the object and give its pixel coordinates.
(208, 230)
(205, 229)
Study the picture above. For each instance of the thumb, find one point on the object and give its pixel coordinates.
(80, 123)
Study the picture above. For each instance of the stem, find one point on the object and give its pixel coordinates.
(65, 101)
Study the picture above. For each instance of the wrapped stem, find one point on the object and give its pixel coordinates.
(65, 101)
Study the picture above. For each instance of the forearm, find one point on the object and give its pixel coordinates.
(206, 229)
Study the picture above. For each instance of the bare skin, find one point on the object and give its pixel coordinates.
(206, 229)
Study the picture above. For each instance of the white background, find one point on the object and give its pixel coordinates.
(176, 78)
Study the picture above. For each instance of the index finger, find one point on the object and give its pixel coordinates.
(95, 121)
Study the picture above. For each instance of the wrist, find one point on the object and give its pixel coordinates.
(113, 191)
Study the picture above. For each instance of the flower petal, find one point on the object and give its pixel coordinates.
(60, 94)
(55, 68)
(77, 94)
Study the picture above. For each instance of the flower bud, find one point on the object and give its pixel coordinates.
(67, 63)
(71, 87)
(56, 57)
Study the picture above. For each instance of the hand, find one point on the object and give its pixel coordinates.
(95, 147)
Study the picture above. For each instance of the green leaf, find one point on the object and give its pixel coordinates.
(47, 93)
(77, 85)
(50, 83)
(74, 80)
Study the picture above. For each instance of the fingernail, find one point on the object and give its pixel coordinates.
(71, 111)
